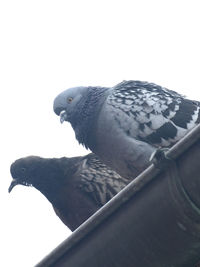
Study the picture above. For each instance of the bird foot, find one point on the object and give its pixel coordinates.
(159, 158)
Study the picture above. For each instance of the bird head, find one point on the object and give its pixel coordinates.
(23, 171)
(26, 171)
(66, 102)
(48, 175)
(42, 173)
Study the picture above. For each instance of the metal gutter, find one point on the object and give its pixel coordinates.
(131, 229)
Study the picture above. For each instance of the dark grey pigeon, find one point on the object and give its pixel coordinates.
(76, 187)
(124, 124)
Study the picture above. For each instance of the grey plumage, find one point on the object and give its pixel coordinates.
(124, 124)
(76, 187)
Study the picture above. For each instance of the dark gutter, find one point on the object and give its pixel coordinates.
(153, 222)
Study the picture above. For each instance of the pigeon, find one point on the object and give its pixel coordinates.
(76, 187)
(125, 123)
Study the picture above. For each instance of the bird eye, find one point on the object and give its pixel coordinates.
(69, 99)
(23, 169)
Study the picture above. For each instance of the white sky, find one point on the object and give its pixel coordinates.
(48, 46)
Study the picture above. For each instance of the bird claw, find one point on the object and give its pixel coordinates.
(159, 158)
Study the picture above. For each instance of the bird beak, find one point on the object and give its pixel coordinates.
(13, 184)
(63, 116)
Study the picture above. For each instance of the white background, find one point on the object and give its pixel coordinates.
(48, 46)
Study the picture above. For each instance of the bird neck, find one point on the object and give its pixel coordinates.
(86, 115)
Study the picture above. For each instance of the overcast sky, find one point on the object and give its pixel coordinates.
(48, 46)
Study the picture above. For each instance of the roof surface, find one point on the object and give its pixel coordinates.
(152, 222)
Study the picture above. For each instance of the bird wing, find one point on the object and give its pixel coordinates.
(151, 113)
(99, 181)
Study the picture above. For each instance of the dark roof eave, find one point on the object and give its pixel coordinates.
(182, 201)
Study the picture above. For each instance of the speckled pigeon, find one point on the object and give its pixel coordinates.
(125, 123)
(76, 187)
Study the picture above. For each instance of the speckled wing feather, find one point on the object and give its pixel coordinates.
(101, 182)
(151, 113)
